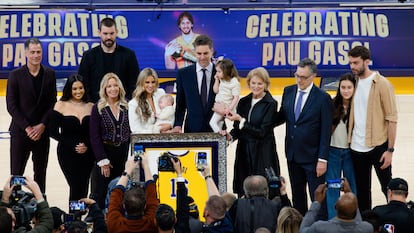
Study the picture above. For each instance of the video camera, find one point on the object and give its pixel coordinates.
(23, 206)
(165, 164)
(272, 180)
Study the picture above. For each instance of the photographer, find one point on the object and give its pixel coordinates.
(256, 210)
(396, 214)
(348, 217)
(45, 224)
(133, 210)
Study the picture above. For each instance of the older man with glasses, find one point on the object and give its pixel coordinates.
(307, 112)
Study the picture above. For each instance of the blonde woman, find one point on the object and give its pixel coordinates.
(289, 220)
(253, 128)
(110, 133)
(144, 106)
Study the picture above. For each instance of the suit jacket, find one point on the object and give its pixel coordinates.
(308, 138)
(92, 68)
(23, 106)
(188, 99)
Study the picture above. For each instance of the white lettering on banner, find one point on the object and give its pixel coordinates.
(317, 23)
(322, 52)
(58, 54)
(57, 24)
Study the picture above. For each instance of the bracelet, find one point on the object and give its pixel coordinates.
(206, 177)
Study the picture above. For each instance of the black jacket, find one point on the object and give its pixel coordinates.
(397, 214)
(92, 68)
(256, 147)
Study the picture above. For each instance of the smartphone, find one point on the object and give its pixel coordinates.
(18, 180)
(335, 183)
(75, 206)
(138, 151)
(201, 160)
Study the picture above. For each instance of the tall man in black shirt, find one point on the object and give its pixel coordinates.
(108, 57)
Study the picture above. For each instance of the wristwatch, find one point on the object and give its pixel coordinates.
(391, 149)
(126, 174)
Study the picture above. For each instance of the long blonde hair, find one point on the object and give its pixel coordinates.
(143, 109)
(289, 220)
(103, 101)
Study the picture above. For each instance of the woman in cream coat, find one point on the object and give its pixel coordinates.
(144, 105)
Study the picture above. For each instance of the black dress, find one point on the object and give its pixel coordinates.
(256, 147)
(69, 132)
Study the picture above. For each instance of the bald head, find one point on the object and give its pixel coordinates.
(347, 206)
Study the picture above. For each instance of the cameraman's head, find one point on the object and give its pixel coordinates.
(397, 190)
(165, 217)
(7, 219)
(134, 202)
(77, 227)
(255, 185)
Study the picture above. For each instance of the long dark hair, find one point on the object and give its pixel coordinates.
(67, 89)
(339, 112)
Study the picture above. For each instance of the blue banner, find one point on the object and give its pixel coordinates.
(275, 39)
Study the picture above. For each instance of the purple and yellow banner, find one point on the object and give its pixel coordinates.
(275, 39)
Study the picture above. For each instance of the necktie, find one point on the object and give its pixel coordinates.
(298, 105)
(204, 88)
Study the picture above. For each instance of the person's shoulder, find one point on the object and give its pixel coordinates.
(92, 50)
(122, 48)
(59, 106)
(290, 88)
(18, 71)
(380, 208)
(190, 68)
(234, 80)
(132, 102)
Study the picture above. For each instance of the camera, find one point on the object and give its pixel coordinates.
(201, 160)
(77, 206)
(23, 206)
(335, 183)
(165, 164)
(272, 180)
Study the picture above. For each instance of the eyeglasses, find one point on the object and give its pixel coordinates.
(302, 77)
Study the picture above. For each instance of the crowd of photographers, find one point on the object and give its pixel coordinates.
(135, 208)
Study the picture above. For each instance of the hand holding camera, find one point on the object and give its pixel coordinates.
(165, 163)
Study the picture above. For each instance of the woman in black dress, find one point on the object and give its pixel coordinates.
(253, 128)
(70, 127)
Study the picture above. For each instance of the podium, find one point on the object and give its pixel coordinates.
(187, 147)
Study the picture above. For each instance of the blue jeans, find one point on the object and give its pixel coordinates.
(339, 160)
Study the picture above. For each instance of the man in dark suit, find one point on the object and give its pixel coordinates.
(31, 95)
(307, 111)
(195, 90)
(108, 57)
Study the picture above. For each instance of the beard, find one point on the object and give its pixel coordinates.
(108, 43)
(359, 72)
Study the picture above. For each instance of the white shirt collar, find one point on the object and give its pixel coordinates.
(209, 67)
(307, 90)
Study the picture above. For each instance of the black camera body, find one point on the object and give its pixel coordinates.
(272, 180)
(165, 164)
(23, 206)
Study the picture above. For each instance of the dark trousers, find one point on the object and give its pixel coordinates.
(20, 148)
(363, 162)
(77, 169)
(117, 155)
(300, 175)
